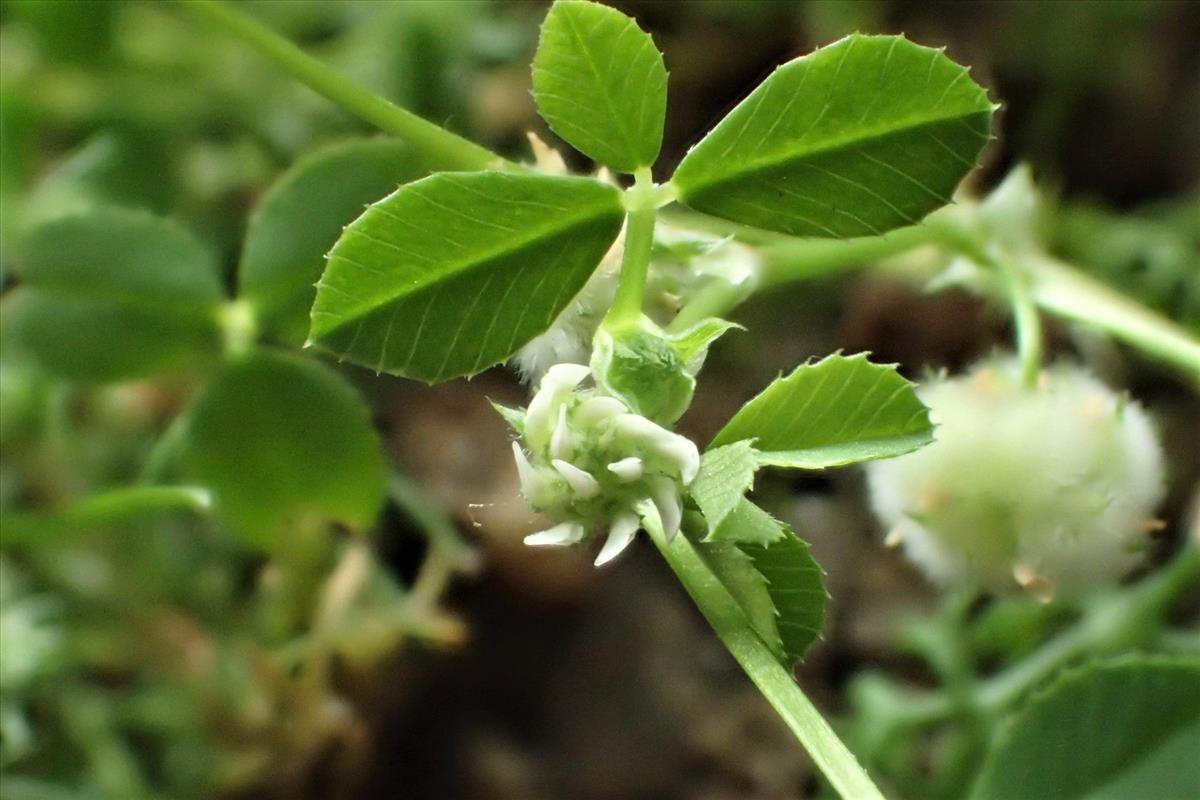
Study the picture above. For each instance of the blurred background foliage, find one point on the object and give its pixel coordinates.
(163, 655)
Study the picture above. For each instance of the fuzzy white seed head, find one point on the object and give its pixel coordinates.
(1048, 489)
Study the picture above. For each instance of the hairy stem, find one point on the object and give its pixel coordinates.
(443, 148)
(776, 683)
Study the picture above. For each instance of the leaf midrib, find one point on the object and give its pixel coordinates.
(509, 247)
(775, 161)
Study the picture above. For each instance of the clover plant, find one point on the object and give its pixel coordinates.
(606, 290)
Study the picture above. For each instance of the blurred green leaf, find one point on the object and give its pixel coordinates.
(839, 410)
(868, 134)
(600, 83)
(282, 442)
(112, 294)
(1128, 728)
(454, 273)
(300, 218)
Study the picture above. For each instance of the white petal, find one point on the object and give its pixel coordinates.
(560, 535)
(620, 535)
(665, 495)
(562, 435)
(627, 469)
(582, 482)
(554, 389)
(677, 449)
(525, 471)
(596, 409)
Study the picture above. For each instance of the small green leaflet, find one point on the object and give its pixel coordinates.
(600, 83)
(840, 410)
(868, 134)
(736, 572)
(1125, 728)
(301, 217)
(454, 273)
(793, 582)
(113, 294)
(746, 523)
(284, 442)
(726, 474)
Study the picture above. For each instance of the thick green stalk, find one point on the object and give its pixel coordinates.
(635, 260)
(776, 683)
(443, 148)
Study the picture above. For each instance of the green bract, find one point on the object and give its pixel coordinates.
(600, 83)
(865, 135)
(454, 273)
(649, 370)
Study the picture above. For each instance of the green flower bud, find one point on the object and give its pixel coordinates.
(651, 371)
(1048, 489)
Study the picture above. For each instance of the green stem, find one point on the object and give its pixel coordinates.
(444, 148)
(1114, 622)
(776, 683)
(1070, 294)
(105, 508)
(1026, 320)
(635, 260)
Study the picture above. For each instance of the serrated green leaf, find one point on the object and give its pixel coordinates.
(454, 273)
(736, 571)
(1128, 728)
(726, 474)
(868, 134)
(600, 83)
(840, 410)
(112, 294)
(300, 218)
(282, 441)
(747, 523)
(794, 581)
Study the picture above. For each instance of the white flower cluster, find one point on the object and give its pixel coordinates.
(1048, 488)
(591, 462)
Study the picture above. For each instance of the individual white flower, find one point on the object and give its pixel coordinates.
(1051, 488)
(590, 463)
